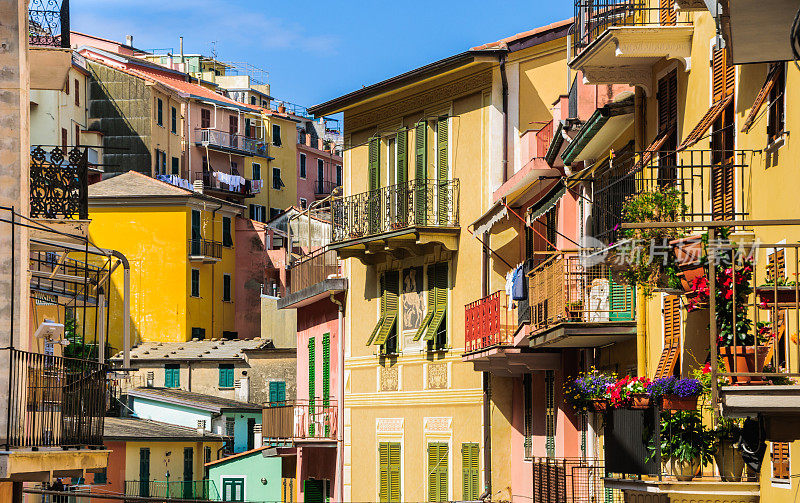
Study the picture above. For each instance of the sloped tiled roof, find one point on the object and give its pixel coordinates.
(503, 42)
(135, 184)
(191, 399)
(132, 428)
(205, 349)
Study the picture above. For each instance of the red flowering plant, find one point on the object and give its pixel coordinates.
(620, 395)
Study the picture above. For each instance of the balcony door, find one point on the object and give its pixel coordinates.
(667, 98)
(233, 128)
(196, 236)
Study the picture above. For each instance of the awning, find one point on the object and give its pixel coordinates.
(603, 127)
(705, 123)
(772, 76)
(484, 224)
(546, 203)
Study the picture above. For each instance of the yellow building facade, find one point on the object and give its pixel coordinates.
(180, 247)
(279, 172)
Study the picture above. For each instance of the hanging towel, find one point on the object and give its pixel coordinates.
(518, 284)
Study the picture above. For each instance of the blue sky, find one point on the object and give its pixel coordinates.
(315, 51)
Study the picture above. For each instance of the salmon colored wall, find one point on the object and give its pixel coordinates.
(251, 263)
(315, 320)
(115, 473)
(305, 187)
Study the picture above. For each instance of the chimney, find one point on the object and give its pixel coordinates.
(201, 426)
(129, 40)
(257, 436)
(243, 389)
(180, 43)
(197, 185)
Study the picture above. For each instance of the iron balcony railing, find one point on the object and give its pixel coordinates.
(54, 401)
(569, 287)
(570, 480)
(300, 420)
(173, 489)
(58, 182)
(416, 203)
(246, 188)
(594, 17)
(199, 247)
(324, 187)
(57, 275)
(490, 321)
(48, 23)
(226, 140)
(314, 269)
(713, 185)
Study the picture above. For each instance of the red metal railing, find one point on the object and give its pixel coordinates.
(543, 139)
(489, 321)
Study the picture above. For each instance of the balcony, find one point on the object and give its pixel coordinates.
(224, 141)
(58, 183)
(54, 401)
(204, 250)
(612, 41)
(711, 188)
(48, 22)
(575, 303)
(324, 188)
(313, 278)
(180, 489)
(301, 421)
(65, 279)
(754, 30)
(401, 220)
(570, 480)
(214, 182)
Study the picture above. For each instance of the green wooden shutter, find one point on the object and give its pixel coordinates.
(439, 292)
(383, 461)
(168, 377)
(437, 471)
(443, 171)
(188, 473)
(144, 471)
(402, 177)
(326, 368)
(277, 392)
(389, 305)
(470, 472)
(311, 385)
(381, 316)
(420, 173)
(394, 472)
(373, 198)
(431, 303)
(225, 376)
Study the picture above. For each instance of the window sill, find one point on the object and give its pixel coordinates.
(781, 483)
(777, 143)
(221, 388)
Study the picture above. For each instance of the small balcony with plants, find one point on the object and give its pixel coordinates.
(611, 39)
(576, 302)
(663, 437)
(402, 220)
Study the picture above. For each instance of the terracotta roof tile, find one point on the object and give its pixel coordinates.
(505, 41)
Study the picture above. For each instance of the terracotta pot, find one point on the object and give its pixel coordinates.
(640, 401)
(689, 274)
(599, 405)
(766, 296)
(743, 359)
(729, 462)
(688, 250)
(685, 471)
(675, 402)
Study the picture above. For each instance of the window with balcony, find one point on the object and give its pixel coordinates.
(174, 120)
(723, 136)
(159, 111)
(302, 166)
(276, 135)
(205, 118)
(233, 125)
(550, 413)
(195, 283)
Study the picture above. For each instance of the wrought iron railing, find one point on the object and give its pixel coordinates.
(61, 276)
(215, 137)
(58, 183)
(205, 248)
(177, 489)
(300, 419)
(713, 185)
(48, 23)
(570, 480)
(324, 187)
(568, 287)
(490, 321)
(313, 269)
(210, 181)
(594, 17)
(416, 203)
(54, 401)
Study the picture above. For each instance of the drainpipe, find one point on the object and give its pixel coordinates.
(504, 81)
(487, 438)
(340, 412)
(213, 272)
(101, 326)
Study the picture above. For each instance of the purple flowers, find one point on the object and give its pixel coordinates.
(682, 388)
(594, 385)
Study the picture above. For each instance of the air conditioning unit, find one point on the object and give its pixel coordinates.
(151, 377)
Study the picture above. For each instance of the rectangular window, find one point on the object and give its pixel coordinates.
(77, 93)
(338, 175)
(230, 430)
(227, 237)
(470, 475)
(776, 120)
(77, 134)
(302, 165)
(320, 170)
(101, 477)
(274, 212)
(64, 139)
(527, 400)
(389, 469)
(195, 282)
(176, 166)
(198, 333)
(438, 480)
(226, 375)
(144, 471)
(188, 472)
(385, 332)
(233, 489)
(256, 171)
(226, 288)
(247, 129)
(277, 183)
(550, 412)
(276, 135)
(205, 118)
(172, 375)
(303, 203)
(277, 392)
(781, 467)
(434, 326)
(159, 112)
(258, 213)
(174, 122)
(233, 124)
(207, 454)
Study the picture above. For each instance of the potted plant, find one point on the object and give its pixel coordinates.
(684, 443)
(785, 291)
(689, 259)
(588, 391)
(676, 394)
(575, 310)
(630, 392)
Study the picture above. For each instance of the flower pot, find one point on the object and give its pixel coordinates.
(688, 276)
(599, 405)
(766, 296)
(743, 359)
(688, 251)
(730, 463)
(685, 471)
(640, 401)
(675, 402)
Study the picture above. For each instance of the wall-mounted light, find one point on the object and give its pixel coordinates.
(263, 481)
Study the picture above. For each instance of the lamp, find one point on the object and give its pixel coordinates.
(263, 481)
(49, 329)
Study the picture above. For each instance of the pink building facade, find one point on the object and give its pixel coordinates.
(319, 169)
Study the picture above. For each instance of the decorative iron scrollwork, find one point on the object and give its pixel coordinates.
(48, 22)
(58, 184)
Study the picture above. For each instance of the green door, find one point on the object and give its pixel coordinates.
(233, 489)
(314, 491)
(251, 433)
(312, 385)
(188, 472)
(144, 471)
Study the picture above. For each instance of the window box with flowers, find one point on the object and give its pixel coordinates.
(630, 393)
(787, 293)
(674, 393)
(589, 391)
